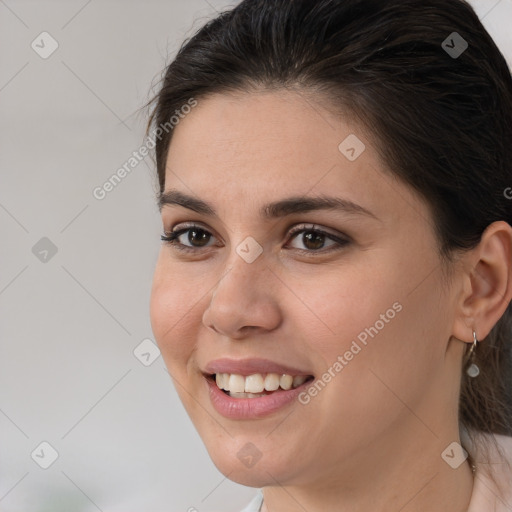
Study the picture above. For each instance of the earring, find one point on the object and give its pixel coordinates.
(473, 369)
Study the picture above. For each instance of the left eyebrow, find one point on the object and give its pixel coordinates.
(303, 204)
(282, 208)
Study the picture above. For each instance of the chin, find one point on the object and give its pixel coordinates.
(251, 478)
(242, 462)
(259, 475)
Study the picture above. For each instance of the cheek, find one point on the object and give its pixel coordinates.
(175, 313)
(389, 299)
(343, 303)
(388, 332)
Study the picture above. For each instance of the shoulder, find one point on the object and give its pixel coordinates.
(492, 490)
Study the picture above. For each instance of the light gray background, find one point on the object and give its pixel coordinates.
(69, 325)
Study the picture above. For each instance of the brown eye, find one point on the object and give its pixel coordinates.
(309, 239)
(313, 240)
(198, 237)
(188, 239)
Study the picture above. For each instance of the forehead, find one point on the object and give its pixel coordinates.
(257, 129)
(236, 148)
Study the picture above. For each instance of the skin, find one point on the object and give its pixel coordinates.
(372, 438)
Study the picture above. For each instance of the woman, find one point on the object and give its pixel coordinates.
(332, 295)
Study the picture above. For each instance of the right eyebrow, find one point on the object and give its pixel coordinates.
(175, 197)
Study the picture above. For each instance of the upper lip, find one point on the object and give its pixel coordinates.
(250, 366)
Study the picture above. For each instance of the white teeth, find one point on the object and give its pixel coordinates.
(236, 383)
(255, 385)
(298, 380)
(222, 380)
(286, 381)
(244, 395)
(271, 381)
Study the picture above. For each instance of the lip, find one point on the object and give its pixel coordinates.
(247, 367)
(252, 408)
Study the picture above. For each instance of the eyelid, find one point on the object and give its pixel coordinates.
(184, 226)
(314, 227)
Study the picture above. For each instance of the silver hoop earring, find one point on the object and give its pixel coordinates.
(473, 369)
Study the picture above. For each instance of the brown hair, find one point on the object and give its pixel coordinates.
(442, 122)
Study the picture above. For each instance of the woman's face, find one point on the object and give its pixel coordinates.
(267, 282)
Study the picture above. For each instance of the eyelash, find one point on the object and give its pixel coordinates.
(171, 237)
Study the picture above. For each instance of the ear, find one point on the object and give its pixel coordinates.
(487, 283)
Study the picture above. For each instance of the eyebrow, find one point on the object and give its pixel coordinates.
(281, 208)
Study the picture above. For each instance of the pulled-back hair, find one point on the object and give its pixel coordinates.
(441, 122)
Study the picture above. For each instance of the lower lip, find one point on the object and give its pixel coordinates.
(251, 408)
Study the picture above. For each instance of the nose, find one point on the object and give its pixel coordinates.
(244, 301)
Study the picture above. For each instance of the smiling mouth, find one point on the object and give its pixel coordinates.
(257, 384)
